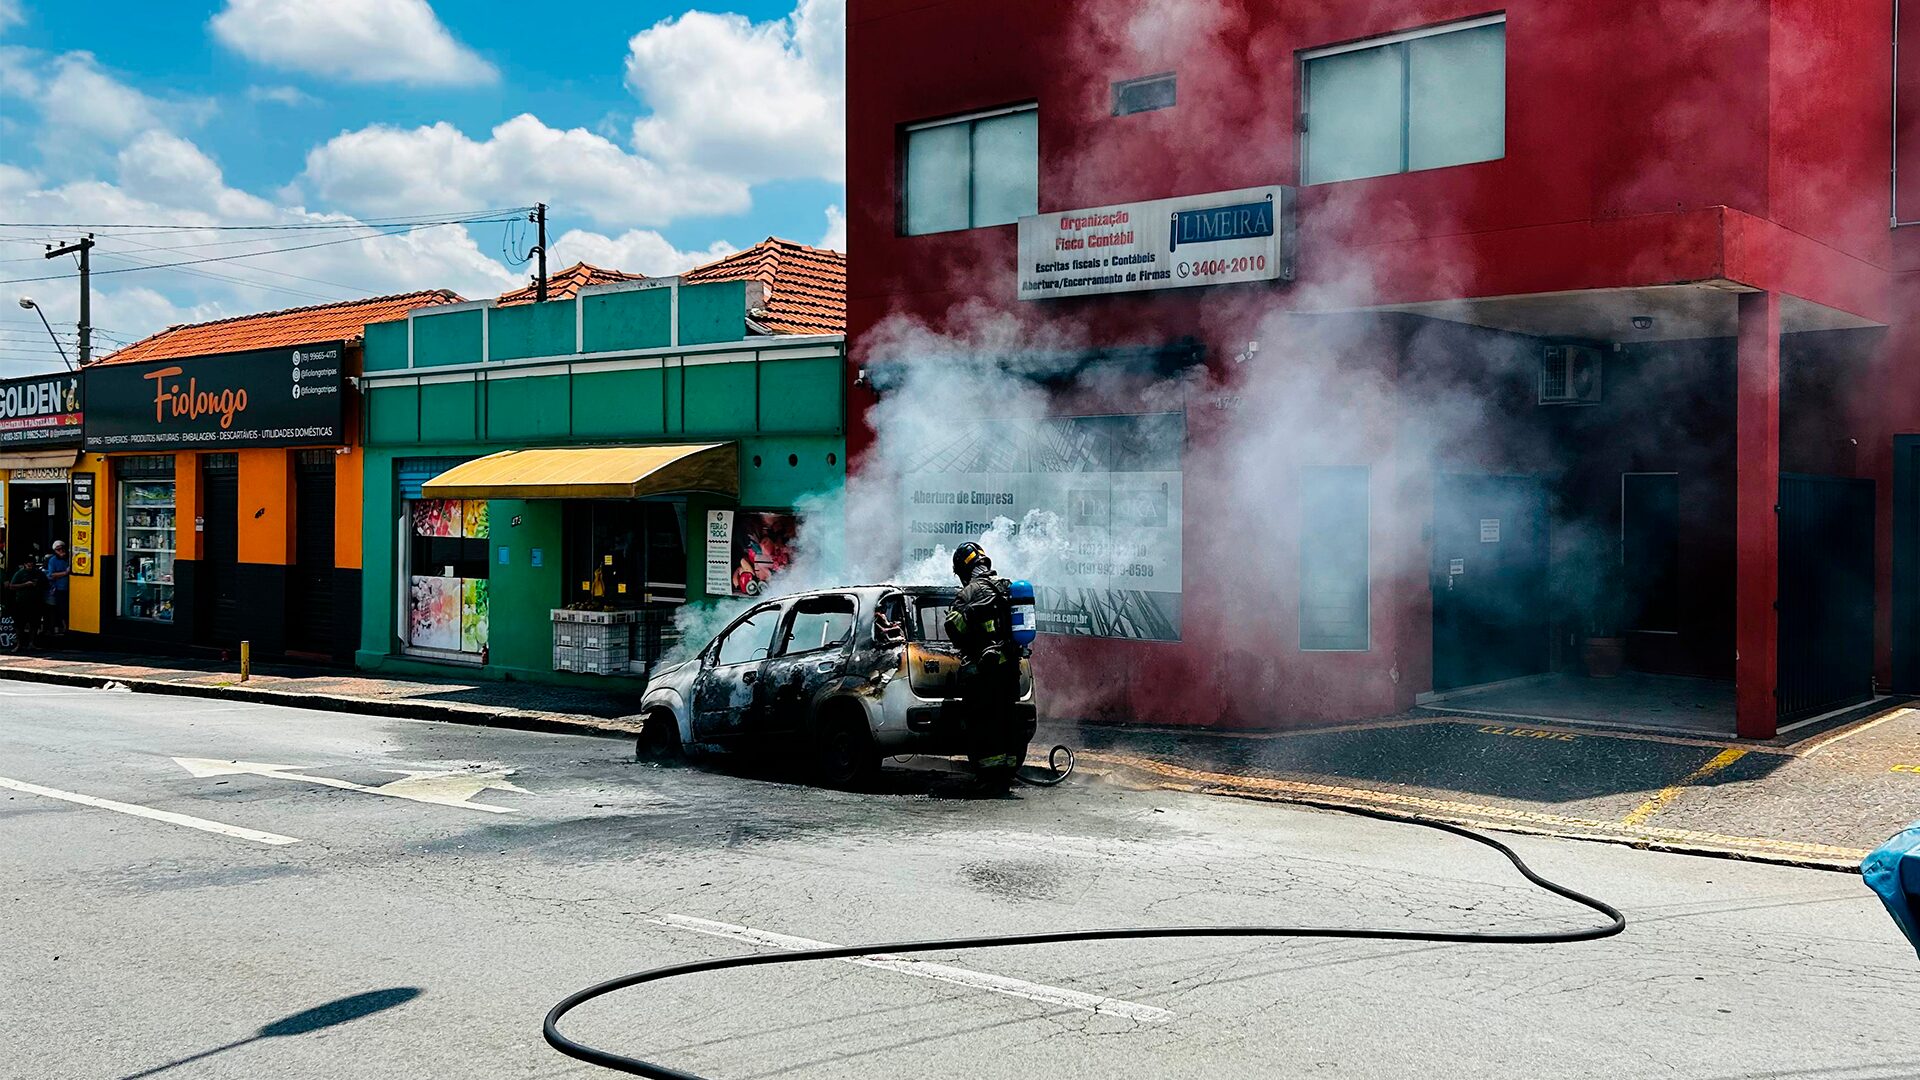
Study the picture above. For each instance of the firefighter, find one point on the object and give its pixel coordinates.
(980, 623)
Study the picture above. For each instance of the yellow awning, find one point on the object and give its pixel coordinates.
(600, 472)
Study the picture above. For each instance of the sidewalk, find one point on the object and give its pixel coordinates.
(1821, 798)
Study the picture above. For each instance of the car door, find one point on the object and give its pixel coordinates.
(809, 652)
(728, 696)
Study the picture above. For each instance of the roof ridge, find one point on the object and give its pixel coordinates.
(448, 294)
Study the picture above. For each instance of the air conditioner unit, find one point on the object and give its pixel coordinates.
(1569, 375)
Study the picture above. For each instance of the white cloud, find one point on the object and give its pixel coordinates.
(758, 101)
(384, 170)
(367, 41)
(836, 237)
(290, 96)
(637, 251)
(82, 107)
(10, 14)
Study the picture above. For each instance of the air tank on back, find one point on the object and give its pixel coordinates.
(1024, 627)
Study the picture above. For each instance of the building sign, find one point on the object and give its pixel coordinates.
(40, 410)
(270, 397)
(1097, 498)
(1228, 236)
(719, 552)
(761, 546)
(80, 509)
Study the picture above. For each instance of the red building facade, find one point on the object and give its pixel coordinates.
(1390, 489)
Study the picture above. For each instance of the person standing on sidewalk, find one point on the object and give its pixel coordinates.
(59, 568)
(26, 593)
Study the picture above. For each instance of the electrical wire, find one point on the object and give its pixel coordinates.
(156, 228)
(607, 1059)
(230, 258)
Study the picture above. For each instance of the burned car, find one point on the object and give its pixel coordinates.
(848, 677)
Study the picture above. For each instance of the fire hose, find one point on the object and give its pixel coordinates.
(1616, 922)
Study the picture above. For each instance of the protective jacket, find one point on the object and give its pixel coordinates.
(980, 622)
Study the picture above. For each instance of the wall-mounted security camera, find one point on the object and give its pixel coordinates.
(1247, 354)
(1643, 322)
(860, 377)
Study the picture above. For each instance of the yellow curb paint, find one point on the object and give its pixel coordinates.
(1666, 795)
(1905, 768)
(1527, 733)
(1178, 778)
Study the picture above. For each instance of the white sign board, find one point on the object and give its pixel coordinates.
(1226, 236)
(719, 553)
(1489, 530)
(1106, 488)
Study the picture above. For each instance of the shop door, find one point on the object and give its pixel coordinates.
(1490, 609)
(36, 517)
(218, 573)
(310, 614)
(1826, 594)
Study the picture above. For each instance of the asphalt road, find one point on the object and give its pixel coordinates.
(195, 945)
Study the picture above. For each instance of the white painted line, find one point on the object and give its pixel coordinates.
(148, 812)
(977, 980)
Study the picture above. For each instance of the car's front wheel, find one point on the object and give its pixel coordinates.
(843, 750)
(659, 737)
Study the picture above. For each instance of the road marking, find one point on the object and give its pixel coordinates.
(1180, 778)
(1666, 795)
(1823, 741)
(1905, 768)
(1528, 733)
(148, 812)
(977, 980)
(450, 788)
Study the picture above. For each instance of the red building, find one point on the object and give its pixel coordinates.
(1595, 338)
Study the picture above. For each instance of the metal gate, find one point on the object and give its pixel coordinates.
(1826, 594)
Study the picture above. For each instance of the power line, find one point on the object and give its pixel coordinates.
(455, 218)
(229, 258)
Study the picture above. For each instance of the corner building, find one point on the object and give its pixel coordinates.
(1572, 376)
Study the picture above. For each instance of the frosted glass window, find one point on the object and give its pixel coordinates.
(1333, 559)
(1354, 121)
(1421, 100)
(1006, 168)
(1457, 98)
(972, 172)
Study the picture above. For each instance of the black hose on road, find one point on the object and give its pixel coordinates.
(1056, 772)
(638, 1067)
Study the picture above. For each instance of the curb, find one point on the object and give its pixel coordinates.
(404, 709)
(1145, 779)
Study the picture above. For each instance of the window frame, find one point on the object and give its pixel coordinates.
(783, 637)
(1304, 57)
(969, 118)
(720, 640)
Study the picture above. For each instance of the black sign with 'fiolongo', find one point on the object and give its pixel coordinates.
(268, 397)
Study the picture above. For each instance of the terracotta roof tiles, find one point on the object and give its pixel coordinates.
(806, 286)
(566, 284)
(343, 321)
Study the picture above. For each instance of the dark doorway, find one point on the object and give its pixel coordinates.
(1826, 594)
(1490, 601)
(36, 517)
(310, 614)
(218, 575)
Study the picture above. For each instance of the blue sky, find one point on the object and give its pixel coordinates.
(661, 136)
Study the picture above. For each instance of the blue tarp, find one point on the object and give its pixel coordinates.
(1893, 871)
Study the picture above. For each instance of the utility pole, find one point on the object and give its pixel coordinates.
(82, 246)
(540, 281)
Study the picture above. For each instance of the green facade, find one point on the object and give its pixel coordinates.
(476, 380)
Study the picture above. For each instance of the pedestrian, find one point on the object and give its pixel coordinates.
(26, 591)
(59, 568)
(980, 622)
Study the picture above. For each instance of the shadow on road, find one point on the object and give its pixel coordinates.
(337, 1011)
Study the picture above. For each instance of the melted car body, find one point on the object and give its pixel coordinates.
(851, 675)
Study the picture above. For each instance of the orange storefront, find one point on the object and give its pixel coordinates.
(225, 467)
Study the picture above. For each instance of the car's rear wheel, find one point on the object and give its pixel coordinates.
(843, 750)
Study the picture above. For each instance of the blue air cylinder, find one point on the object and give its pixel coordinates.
(1024, 628)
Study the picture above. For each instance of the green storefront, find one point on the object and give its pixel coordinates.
(547, 484)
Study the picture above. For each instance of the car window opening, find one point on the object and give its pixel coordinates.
(818, 624)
